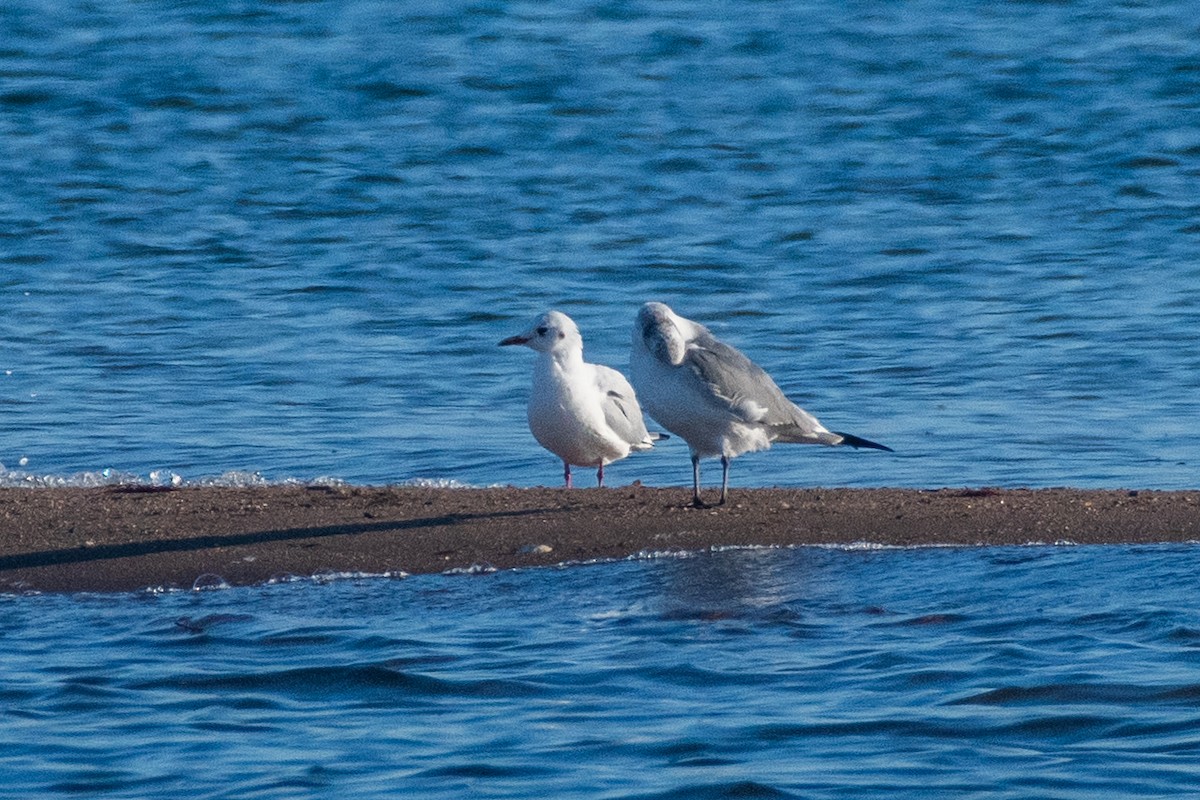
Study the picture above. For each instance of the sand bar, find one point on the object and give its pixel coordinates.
(125, 538)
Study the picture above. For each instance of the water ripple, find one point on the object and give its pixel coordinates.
(977, 665)
(237, 239)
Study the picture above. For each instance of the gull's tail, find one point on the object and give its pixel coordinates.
(858, 441)
(648, 442)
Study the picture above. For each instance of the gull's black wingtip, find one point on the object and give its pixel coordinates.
(858, 441)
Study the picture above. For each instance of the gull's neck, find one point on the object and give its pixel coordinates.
(568, 359)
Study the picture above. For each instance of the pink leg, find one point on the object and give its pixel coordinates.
(567, 474)
(600, 476)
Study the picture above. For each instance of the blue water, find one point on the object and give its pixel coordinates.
(247, 241)
(810, 673)
(283, 239)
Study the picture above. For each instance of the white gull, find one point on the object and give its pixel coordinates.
(586, 414)
(713, 397)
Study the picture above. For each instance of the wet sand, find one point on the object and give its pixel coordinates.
(130, 538)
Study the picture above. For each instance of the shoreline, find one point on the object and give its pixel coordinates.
(128, 538)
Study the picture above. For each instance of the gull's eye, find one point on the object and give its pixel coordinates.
(542, 330)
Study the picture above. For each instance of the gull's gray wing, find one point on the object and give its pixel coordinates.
(748, 392)
(621, 409)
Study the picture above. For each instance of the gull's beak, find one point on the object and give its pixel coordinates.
(515, 340)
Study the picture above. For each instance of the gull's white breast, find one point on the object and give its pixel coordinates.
(566, 415)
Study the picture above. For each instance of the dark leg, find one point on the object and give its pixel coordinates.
(567, 474)
(696, 501)
(600, 476)
(724, 479)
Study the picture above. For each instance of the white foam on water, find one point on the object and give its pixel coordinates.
(439, 483)
(649, 555)
(474, 569)
(231, 479)
(209, 582)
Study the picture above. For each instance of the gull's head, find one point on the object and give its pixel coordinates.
(552, 332)
(661, 332)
